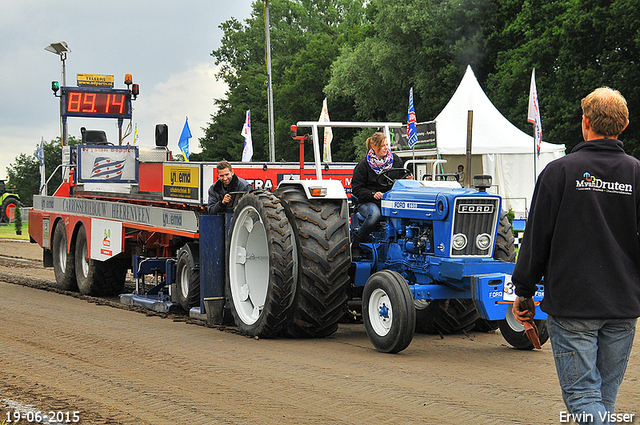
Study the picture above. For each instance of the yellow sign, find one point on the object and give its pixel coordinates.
(181, 181)
(94, 80)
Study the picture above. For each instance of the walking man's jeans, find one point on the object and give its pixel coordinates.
(591, 357)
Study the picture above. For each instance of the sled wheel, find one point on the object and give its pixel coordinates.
(9, 206)
(96, 277)
(261, 266)
(388, 311)
(188, 275)
(63, 261)
(513, 331)
(322, 245)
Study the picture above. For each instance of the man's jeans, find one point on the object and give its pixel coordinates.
(591, 358)
(372, 215)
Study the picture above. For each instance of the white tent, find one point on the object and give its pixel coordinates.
(499, 148)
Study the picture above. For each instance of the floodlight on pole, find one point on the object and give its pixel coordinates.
(61, 48)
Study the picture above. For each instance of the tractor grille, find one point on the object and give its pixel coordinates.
(473, 217)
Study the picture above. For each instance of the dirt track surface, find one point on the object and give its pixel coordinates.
(116, 365)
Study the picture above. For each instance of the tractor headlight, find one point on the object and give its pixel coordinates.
(459, 241)
(483, 241)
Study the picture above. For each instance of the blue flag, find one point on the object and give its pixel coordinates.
(183, 144)
(412, 131)
(40, 153)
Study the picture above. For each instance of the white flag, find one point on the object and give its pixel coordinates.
(247, 152)
(534, 111)
(328, 133)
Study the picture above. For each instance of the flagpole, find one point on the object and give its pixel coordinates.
(272, 149)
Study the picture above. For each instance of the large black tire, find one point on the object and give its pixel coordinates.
(9, 205)
(505, 242)
(94, 277)
(322, 244)
(63, 261)
(449, 316)
(188, 276)
(388, 311)
(261, 266)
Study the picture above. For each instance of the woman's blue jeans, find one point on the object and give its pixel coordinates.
(591, 357)
(372, 215)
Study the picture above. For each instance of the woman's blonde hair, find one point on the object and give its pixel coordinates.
(376, 140)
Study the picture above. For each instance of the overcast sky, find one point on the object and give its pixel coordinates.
(166, 46)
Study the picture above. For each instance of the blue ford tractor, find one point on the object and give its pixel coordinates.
(440, 261)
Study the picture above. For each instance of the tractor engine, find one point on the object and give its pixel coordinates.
(426, 223)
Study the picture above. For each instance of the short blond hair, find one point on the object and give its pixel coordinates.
(607, 111)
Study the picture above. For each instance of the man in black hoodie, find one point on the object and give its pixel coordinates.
(220, 191)
(582, 238)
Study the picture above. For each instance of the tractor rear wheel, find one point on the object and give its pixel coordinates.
(97, 277)
(261, 265)
(188, 275)
(63, 261)
(388, 311)
(445, 317)
(322, 243)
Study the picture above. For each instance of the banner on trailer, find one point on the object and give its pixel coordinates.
(107, 164)
(181, 182)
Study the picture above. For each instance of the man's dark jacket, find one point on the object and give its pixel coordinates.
(582, 234)
(363, 183)
(218, 190)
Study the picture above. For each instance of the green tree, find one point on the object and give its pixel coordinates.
(426, 44)
(305, 40)
(575, 46)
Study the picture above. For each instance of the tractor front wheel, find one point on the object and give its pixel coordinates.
(513, 331)
(388, 311)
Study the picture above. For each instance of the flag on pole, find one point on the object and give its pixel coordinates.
(40, 153)
(247, 151)
(40, 156)
(183, 144)
(534, 112)
(328, 133)
(412, 131)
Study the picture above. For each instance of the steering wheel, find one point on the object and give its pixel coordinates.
(389, 177)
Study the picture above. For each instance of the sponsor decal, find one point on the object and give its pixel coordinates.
(593, 183)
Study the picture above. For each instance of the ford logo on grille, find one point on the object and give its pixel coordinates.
(475, 208)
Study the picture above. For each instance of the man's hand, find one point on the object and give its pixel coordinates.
(378, 195)
(524, 309)
(226, 199)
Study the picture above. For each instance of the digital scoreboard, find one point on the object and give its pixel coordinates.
(95, 102)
